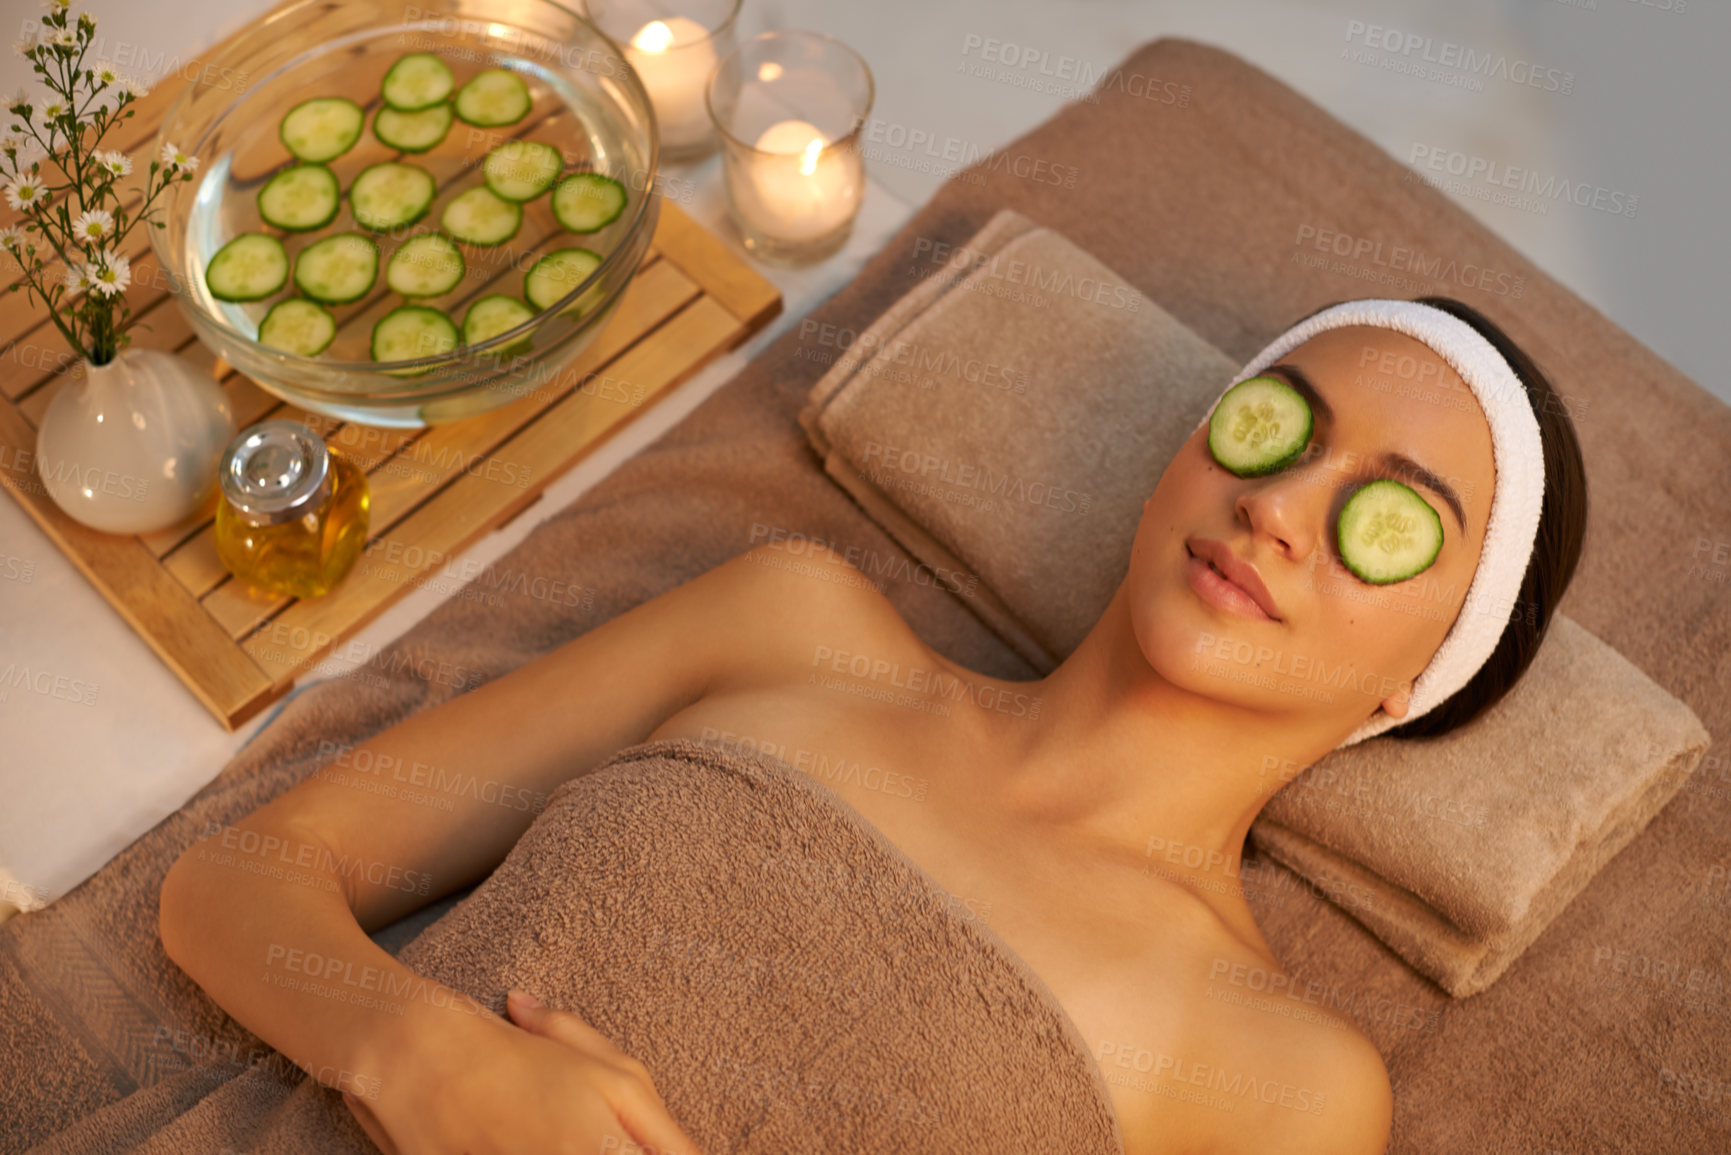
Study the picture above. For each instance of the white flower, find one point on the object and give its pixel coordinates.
(109, 274)
(53, 109)
(113, 162)
(20, 102)
(105, 73)
(53, 6)
(175, 160)
(93, 226)
(25, 45)
(11, 235)
(25, 192)
(133, 87)
(64, 38)
(75, 280)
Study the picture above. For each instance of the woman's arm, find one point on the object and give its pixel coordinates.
(271, 916)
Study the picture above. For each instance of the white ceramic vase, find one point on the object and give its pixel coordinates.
(132, 446)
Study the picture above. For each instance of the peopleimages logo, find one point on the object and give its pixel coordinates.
(1541, 187)
(1458, 58)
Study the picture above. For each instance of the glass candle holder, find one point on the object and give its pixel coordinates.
(790, 107)
(673, 45)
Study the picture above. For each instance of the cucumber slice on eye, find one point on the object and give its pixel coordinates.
(299, 198)
(521, 170)
(338, 269)
(249, 268)
(495, 314)
(297, 325)
(416, 81)
(425, 266)
(493, 98)
(557, 274)
(411, 332)
(481, 217)
(1261, 425)
(413, 131)
(587, 202)
(390, 195)
(1388, 533)
(322, 128)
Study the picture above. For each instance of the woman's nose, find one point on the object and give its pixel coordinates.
(1287, 509)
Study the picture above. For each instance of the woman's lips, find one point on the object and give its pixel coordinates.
(1220, 593)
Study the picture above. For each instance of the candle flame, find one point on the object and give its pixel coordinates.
(653, 37)
(808, 162)
(768, 70)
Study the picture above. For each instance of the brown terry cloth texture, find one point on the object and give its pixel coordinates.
(1593, 1041)
(1449, 857)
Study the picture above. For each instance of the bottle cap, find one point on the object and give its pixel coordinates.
(275, 472)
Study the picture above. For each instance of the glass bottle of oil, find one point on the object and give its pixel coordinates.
(293, 516)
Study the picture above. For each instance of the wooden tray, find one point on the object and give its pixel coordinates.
(434, 491)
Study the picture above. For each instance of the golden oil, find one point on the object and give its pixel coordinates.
(293, 516)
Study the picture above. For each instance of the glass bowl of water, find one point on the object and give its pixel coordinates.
(526, 82)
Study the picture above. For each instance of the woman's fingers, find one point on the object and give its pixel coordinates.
(369, 1123)
(646, 1117)
(538, 1018)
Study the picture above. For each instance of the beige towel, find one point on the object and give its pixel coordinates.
(1452, 852)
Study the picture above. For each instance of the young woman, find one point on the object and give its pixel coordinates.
(1163, 724)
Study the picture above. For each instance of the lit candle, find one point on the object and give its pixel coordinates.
(675, 57)
(805, 191)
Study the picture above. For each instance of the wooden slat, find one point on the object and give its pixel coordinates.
(447, 451)
(444, 526)
(745, 292)
(183, 635)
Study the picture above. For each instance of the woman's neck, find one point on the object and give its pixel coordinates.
(1147, 771)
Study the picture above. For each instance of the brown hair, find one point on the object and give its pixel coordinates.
(1556, 549)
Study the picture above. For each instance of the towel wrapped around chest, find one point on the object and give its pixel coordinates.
(792, 980)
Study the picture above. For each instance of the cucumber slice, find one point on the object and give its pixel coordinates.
(557, 274)
(425, 266)
(322, 128)
(300, 197)
(587, 202)
(249, 268)
(493, 98)
(1260, 425)
(297, 325)
(481, 217)
(1388, 533)
(413, 131)
(492, 315)
(417, 81)
(521, 170)
(410, 332)
(338, 269)
(391, 195)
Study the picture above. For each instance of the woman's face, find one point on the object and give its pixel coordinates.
(1336, 645)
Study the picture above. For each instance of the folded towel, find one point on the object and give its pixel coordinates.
(1464, 854)
(790, 978)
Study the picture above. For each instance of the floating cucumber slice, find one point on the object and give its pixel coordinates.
(413, 131)
(521, 170)
(297, 325)
(416, 81)
(495, 314)
(1388, 533)
(322, 128)
(557, 274)
(1260, 425)
(425, 266)
(249, 268)
(481, 217)
(338, 269)
(587, 202)
(390, 195)
(411, 332)
(299, 198)
(493, 98)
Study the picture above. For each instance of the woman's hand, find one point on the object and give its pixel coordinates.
(550, 1084)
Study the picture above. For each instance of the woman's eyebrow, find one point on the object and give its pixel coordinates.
(1393, 462)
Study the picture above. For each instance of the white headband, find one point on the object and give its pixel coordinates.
(1516, 498)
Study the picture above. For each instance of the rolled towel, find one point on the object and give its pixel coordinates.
(1475, 841)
